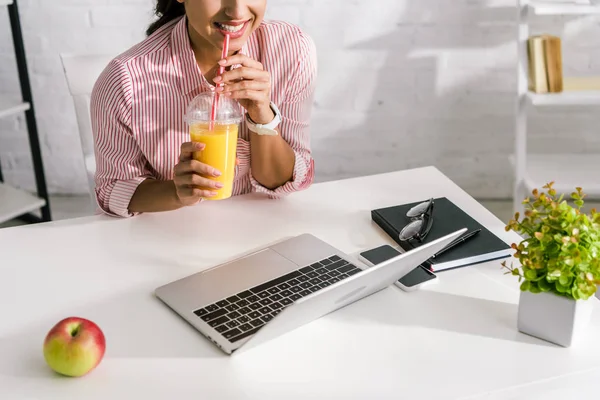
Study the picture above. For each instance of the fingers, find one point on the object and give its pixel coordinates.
(241, 59)
(252, 95)
(245, 85)
(194, 180)
(187, 150)
(195, 193)
(245, 73)
(194, 166)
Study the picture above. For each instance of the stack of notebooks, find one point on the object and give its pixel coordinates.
(544, 56)
(447, 218)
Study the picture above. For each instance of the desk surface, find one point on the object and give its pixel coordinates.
(456, 339)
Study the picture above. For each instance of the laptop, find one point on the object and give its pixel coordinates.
(257, 297)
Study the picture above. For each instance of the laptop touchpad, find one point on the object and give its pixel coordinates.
(233, 277)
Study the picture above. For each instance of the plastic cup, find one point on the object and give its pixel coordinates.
(219, 137)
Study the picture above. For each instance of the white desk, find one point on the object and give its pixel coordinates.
(457, 339)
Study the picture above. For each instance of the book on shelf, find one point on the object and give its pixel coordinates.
(544, 54)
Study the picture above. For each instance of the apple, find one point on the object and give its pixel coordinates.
(74, 346)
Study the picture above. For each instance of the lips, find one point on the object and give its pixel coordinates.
(234, 29)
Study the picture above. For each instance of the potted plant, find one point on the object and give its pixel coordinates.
(559, 269)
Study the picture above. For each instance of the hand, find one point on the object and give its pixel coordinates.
(250, 84)
(189, 178)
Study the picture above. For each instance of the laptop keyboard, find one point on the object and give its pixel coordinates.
(243, 314)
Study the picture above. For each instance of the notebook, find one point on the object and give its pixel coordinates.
(447, 218)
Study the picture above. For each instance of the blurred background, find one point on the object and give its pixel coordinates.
(402, 84)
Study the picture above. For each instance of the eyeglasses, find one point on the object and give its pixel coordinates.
(422, 219)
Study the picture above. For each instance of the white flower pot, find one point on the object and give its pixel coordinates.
(556, 319)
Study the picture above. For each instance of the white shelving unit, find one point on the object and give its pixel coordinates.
(535, 170)
(15, 203)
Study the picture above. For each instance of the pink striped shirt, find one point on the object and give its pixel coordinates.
(139, 100)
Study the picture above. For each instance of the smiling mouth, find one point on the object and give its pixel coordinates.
(230, 27)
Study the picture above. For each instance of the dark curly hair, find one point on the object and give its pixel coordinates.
(166, 11)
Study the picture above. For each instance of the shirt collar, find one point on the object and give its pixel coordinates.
(191, 78)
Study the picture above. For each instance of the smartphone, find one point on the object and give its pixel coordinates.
(409, 282)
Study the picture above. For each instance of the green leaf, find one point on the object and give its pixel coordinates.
(530, 274)
(544, 285)
(525, 286)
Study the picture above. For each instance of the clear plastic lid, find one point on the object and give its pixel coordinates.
(227, 111)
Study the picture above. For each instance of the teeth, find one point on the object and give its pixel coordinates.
(230, 28)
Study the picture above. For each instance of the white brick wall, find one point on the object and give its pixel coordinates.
(423, 82)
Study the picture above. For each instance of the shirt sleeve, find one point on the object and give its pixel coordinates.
(120, 164)
(295, 120)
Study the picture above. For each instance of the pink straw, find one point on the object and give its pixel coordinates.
(213, 112)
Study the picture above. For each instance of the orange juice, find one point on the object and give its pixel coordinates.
(219, 152)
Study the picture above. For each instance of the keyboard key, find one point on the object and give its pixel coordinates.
(243, 319)
(267, 317)
(265, 302)
(201, 312)
(316, 265)
(231, 307)
(312, 274)
(342, 276)
(245, 310)
(293, 282)
(265, 310)
(264, 295)
(213, 315)
(335, 273)
(326, 262)
(305, 285)
(286, 302)
(233, 299)
(234, 315)
(275, 282)
(303, 278)
(324, 284)
(334, 258)
(305, 292)
(218, 321)
(287, 293)
(276, 306)
(276, 297)
(354, 271)
(315, 281)
(253, 298)
(274, 290)
(336, 265)
(295, 297)
(295, 289)
(232, 333)
(333, 280)
(255, 306)
(321, 271)
(245, 327)
(284, 286)
(212, 307)
(245, 294)
(306, 270)
(232, 324)
(222, 303)
(244, 334)
(314, 288)
(256, 322)
(242, 303)
(325, 277)
(221, 328)
(346, 268)
(255, 314)
(275, 312)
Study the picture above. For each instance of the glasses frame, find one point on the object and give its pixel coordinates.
(425, 217)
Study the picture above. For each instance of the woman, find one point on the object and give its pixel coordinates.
(143, 152)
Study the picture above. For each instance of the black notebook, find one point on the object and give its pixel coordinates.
(447, 218)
